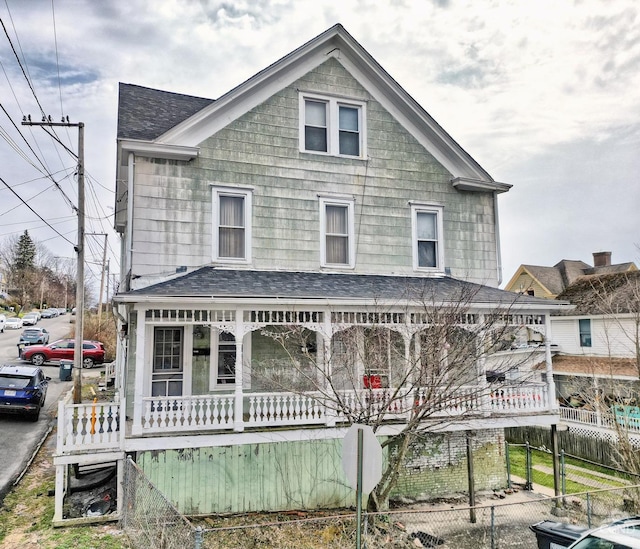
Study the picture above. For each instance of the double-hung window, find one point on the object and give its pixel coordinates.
(584, 328)
(427, 234)
(337, 233)
(332, 126)
(231, 225)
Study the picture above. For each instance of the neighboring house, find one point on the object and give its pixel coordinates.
(550, 282)
(318, 195)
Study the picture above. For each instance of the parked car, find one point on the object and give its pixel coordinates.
(30, 319)
(13, 323)
(622, 534)
(50, 313)
(32, 336)
(63, 349)
(3, 320)
(23, 389)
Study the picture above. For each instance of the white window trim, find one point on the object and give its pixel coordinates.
(246, 193)
(439, 211)
(329, 201)
(333, 139)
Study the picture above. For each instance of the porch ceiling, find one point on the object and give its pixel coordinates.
(214, 283)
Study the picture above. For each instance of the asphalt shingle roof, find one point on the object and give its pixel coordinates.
(145, 113)
(212, 282)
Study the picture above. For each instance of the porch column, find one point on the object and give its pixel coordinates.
(481, 365)
(238, 413)
(551, 384)
(329, 414)
(60, 488)
(136, 428)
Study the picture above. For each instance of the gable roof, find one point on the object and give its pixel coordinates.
(215, 283)
(617, 293)
(191, 129)
(563, 274)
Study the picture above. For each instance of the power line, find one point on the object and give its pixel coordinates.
(36, 213)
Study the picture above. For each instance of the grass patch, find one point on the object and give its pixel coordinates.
(517, 458)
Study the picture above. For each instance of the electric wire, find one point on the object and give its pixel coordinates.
(33, 211)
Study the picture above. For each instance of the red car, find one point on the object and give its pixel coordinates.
(92, 352)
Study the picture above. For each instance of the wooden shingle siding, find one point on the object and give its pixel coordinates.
(260, 151)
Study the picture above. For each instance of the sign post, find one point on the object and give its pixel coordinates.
(362, 464)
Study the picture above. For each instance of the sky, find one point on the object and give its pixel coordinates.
(544, 95)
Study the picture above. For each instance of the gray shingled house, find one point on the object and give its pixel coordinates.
(307, 251)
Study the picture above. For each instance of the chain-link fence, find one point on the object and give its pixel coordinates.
(502, 522)
(148, 518)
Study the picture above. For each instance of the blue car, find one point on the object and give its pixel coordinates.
(23, 390)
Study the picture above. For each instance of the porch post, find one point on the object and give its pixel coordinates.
(485, 389)
(329, 414)
(136, 428)
(551, 384)
(238, 413)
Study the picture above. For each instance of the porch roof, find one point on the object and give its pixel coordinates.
(210, 282)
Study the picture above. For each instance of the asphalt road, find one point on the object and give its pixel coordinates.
(19, 437)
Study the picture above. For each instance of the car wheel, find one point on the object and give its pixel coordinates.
(37, 359)
(35, 416)
(87, 362)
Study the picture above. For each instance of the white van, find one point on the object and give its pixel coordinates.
(3, 320)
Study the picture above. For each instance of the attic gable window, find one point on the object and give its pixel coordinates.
(332, 126)
(231, 225)
(427, 231)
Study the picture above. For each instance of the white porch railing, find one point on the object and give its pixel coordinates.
(97, 426)
(598, 419)
(167, 414)
(94, 426)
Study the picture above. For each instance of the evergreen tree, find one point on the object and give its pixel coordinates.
(24, 253)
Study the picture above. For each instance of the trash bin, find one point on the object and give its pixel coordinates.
(556, 535)
(66, 369)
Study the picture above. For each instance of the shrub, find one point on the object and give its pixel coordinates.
(105, 331)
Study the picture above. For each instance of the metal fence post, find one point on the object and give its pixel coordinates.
(529, 480)
(508, 457)
(199, 538)
(493, 527)
(563, 473)
(589, 509)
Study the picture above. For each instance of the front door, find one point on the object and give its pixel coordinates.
(168, 368)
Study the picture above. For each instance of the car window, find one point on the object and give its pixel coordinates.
(88, 346)
(19, 382)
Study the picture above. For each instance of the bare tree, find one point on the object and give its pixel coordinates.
(377, 368)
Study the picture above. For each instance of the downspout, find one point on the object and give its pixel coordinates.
(497, 233)
(129, 248)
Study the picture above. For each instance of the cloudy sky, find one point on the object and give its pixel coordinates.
(544, 95)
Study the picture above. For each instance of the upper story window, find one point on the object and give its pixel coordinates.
(584, 327)
(427, 234)
(231, 224)
(337, 233)
(332, 126)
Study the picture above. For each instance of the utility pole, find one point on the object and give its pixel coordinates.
(77, 355)
(104, 261)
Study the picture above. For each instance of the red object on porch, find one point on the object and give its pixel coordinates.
(372, 382)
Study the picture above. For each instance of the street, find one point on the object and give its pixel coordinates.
(20, 435)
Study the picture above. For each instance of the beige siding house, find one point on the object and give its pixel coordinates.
(308, 251)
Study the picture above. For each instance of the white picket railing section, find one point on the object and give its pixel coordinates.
(96, 426)
(597, 419)
(166, 414)
(88, 425)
